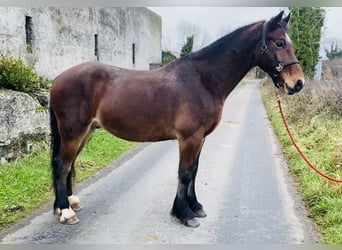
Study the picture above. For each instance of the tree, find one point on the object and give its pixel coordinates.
(167, 57)
(305, 31)
(188, 46)
(201, 37)
(334, 52)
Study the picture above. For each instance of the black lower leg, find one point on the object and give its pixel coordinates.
(181, 207)
(195, 206)
(69, 180)
(193, 202)
(61, 201)
(60, 184)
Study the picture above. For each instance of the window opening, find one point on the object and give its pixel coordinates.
(133, 53)
(96, 47)
(29, 33)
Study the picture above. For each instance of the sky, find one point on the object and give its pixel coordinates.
(216, 21)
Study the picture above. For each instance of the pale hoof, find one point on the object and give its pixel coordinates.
(76, 207)
(57, 212)
(74, 202)
(191, 223)
(200, 214)
(71, 221)
(68, 217)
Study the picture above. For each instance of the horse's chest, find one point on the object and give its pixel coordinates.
(212, 120)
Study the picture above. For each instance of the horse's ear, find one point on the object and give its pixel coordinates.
(287, 18)
(274, 22)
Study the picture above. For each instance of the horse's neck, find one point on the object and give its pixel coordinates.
(225, 62)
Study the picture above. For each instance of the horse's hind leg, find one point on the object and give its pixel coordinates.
(63, 163)
(74, 201)
(62, 171)
(185, 200)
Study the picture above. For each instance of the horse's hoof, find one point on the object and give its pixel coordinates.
(74, 202)
(71, 221)
(200, 213)
(191, 223)
(68, 217)
(57, 211)
(76, 207)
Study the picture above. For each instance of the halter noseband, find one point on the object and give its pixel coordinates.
(278, 66)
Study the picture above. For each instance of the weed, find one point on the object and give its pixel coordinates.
(314, 117)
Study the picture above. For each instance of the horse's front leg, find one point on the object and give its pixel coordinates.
(186, 199)
(195, 206)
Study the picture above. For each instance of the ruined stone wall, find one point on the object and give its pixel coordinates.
(24, 125)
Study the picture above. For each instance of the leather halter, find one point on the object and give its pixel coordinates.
(278, 66)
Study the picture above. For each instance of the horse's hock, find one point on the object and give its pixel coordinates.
(24, 125)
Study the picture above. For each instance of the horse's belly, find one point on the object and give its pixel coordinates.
(139, 112)
(139, 129)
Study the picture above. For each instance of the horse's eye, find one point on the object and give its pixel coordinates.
(279, 43)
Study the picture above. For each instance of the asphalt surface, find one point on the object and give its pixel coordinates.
(243, 184)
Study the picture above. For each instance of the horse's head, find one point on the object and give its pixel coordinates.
(277, 57)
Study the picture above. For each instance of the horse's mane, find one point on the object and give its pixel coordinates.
(222, 42)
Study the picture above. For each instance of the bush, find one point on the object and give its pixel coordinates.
(167, 57)
(314, 117)
(16, 75)
(317, 99)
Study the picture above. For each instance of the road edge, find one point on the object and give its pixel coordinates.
(115, 164)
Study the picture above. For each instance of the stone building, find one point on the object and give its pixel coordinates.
(53, 39)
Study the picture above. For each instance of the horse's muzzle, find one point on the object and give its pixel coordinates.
(298, 87)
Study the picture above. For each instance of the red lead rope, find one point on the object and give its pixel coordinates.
(300, 151)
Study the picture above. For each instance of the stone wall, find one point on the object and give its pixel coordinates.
(62, 37)
(24, 125)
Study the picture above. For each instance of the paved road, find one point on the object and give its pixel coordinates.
(242, 182)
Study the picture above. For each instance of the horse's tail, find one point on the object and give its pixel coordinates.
(56, 160)
(55, 137)
(55, 146)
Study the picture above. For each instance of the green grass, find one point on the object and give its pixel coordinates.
(100, 150)
(25, 184)
(319, 135)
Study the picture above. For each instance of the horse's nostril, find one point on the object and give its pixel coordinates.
(299, 85)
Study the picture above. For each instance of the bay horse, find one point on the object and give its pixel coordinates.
(182, 100)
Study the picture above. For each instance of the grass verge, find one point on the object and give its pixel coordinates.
(25, 184)
(315, 120)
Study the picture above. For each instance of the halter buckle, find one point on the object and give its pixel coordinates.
(263, 48)
(279, 67)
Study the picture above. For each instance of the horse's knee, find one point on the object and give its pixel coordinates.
(74, 202)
